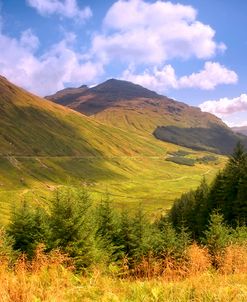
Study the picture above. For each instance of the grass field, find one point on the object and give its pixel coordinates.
(150, 181)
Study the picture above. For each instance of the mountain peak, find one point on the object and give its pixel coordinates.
(124, 89)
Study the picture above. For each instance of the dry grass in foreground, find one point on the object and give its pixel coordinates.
(51, 278)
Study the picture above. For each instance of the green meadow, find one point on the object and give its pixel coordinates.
(153, 182)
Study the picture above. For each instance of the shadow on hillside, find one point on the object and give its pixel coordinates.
(214, 139)
(29, 133)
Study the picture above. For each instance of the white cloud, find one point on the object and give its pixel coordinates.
(29, 40)
(65, 8)
(152, 33)
(165, 78)
(49, 72)
(237, 124)
(225, 106)
(211, 76)
(134, 31)
(156, 79)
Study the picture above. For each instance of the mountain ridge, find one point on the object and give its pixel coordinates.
(117, 93)
(134, 108)
(242, 130)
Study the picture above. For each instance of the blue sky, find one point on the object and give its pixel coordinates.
(191, 50)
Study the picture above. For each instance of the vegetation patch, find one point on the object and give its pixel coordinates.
(180, 153)
(207, 159)
(181, 160)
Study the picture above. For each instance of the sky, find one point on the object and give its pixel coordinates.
(194, 51)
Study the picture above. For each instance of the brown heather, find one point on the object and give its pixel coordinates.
(51, 277)
(233, 260)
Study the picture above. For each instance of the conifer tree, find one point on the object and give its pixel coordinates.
(107, 229)
(71, 225)
(27, 227)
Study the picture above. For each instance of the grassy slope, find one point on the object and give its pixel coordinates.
(215, 139)
(144, 117)
(44, 145)
(133, 107)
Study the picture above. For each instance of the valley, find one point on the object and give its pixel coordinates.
(45, 145)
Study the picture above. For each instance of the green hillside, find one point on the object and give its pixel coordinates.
(134, 108)
(33, 126)
(214, 139)
(45, 145)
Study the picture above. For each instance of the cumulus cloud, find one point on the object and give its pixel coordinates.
(225, 106)
(136, 31)
(48, 72)
(29, 40)
(237, 124)
(64, 8)
(156, 79)
(212, 75)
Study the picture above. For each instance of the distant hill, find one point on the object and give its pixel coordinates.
(215, 139)
(134, 108)
(242, 130)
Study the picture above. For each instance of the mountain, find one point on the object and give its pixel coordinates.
(134, 108)
(242, 130)
(41, 140)
(106, 95)
(45, 145)
(65, 96)
(33, 126)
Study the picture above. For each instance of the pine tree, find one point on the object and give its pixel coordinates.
(27, 228)
(126, 236)
(217, 236)
(142, 232)
(71, 226)
(107, 229)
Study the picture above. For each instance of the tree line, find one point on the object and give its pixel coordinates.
(227, 195)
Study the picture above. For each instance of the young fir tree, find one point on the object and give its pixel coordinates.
(142, 234)
(71, 225)
(107, 229)
(171, 242)
(126, 237)
(217, 236)
(27, 228)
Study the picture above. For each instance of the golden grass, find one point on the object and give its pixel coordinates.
(50, 277)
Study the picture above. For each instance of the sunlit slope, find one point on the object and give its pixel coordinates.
(133, 107)
(44, 141)
(144, 116)
(44, 145)
(136, 109)
(33, 126)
